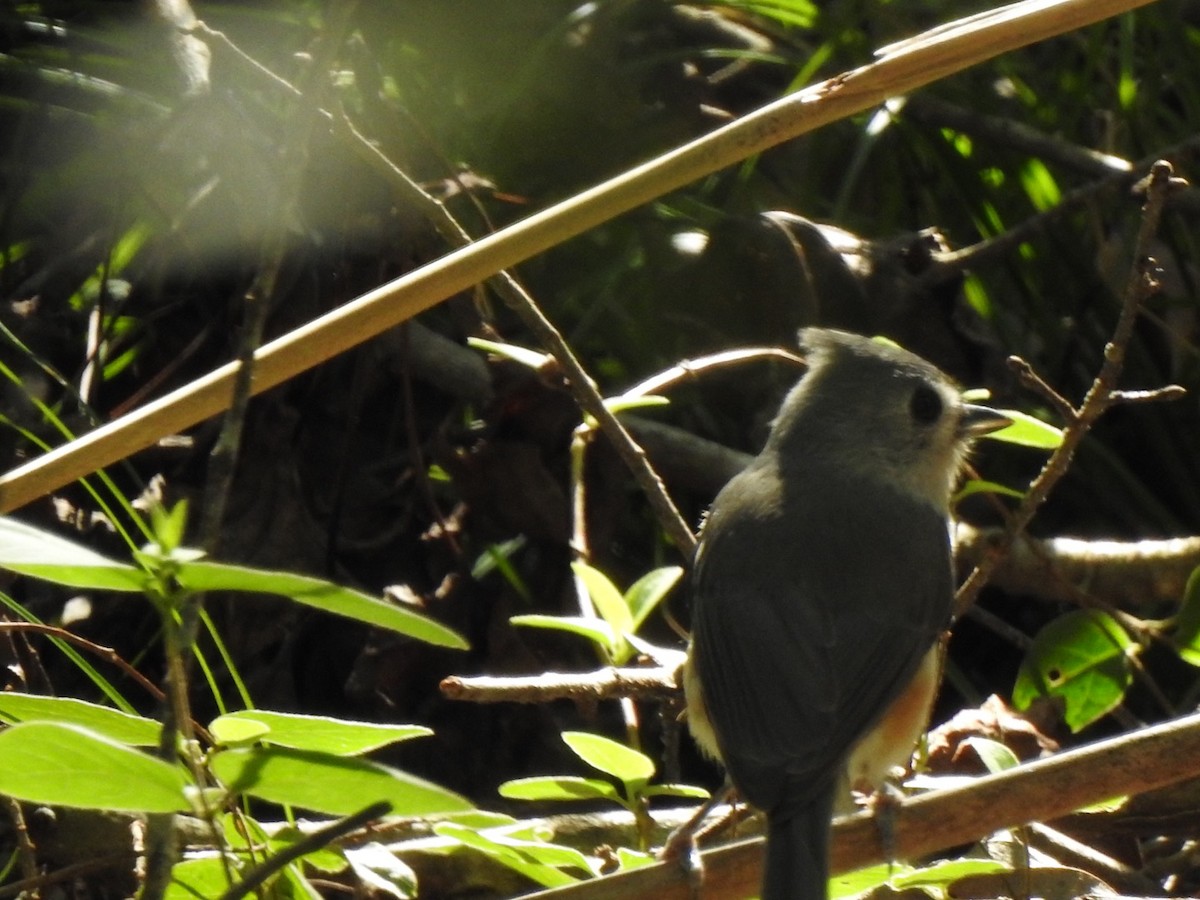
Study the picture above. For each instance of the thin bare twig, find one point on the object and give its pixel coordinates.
(108, 654)
(1099, 397)
(315, 841)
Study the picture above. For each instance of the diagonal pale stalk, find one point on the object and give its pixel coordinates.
(900, 69)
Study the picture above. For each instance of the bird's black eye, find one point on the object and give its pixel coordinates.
(925, 405)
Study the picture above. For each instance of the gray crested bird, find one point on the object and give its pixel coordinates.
(820, 587)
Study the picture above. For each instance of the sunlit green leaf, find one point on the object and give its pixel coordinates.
(1186, 633)
(65, 765)
(322, 782)
(303, 732)
(996, 757)
(197, 879)
(40, 554)
(645, 594)
(610, 757)
(319, 594)
(381, 872)
(1027, 431)
(523, 355)
(1082, 659)
(609, 602)
(541, 862)
(104, 721)
(558, 787)
(596, 630)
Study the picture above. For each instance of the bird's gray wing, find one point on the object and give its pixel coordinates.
(806, 624)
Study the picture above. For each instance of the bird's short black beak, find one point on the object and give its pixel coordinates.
(980, 420)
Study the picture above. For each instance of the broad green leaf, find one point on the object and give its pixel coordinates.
(322, 733)
(197, 879)
(381, 872)
(1082, 658)
(645, 594)
(853, 884)
(1027, 431)
(559, 787)
(595, 630)
(322, 782)
(520, 856)
(947, 871)
(41, 554)
(65, 765)
(328, 859)
(996, 757)
(319, 594)
(608, 756)
(1186, 634)
(228, 731)
(606, 598)
(104, 721)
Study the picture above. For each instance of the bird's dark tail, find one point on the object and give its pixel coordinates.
(797, 865)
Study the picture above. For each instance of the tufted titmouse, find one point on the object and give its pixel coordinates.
(820, 586)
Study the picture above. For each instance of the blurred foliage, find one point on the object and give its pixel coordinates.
(141, 192)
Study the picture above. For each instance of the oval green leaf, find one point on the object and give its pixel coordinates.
(65, 765)
(605, 597)
(558, 787)
(1081, 658)
(322, 782)
(319, 594)
(104, 721)
(645, 594)
(609, 756)
(321, 733)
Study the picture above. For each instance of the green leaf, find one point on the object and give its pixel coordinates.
(676, 790)
(624, 403)
(532, 358)
(996, 757)
(381, 872)
(559, 787)
(336, 785)
(168, 527)
(979, 486)
(1186, 633)
(858, 882)
(1082, 658)
(321, 733)
(645, 594)
(1027, 431)
(527, 857)
(65, 765)
(40, 554)
(606, 598)
(197, 879)
(104, 721)
(608, 756)
(946, 872)
(319, 594)
(328, 859)
(595, 630)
